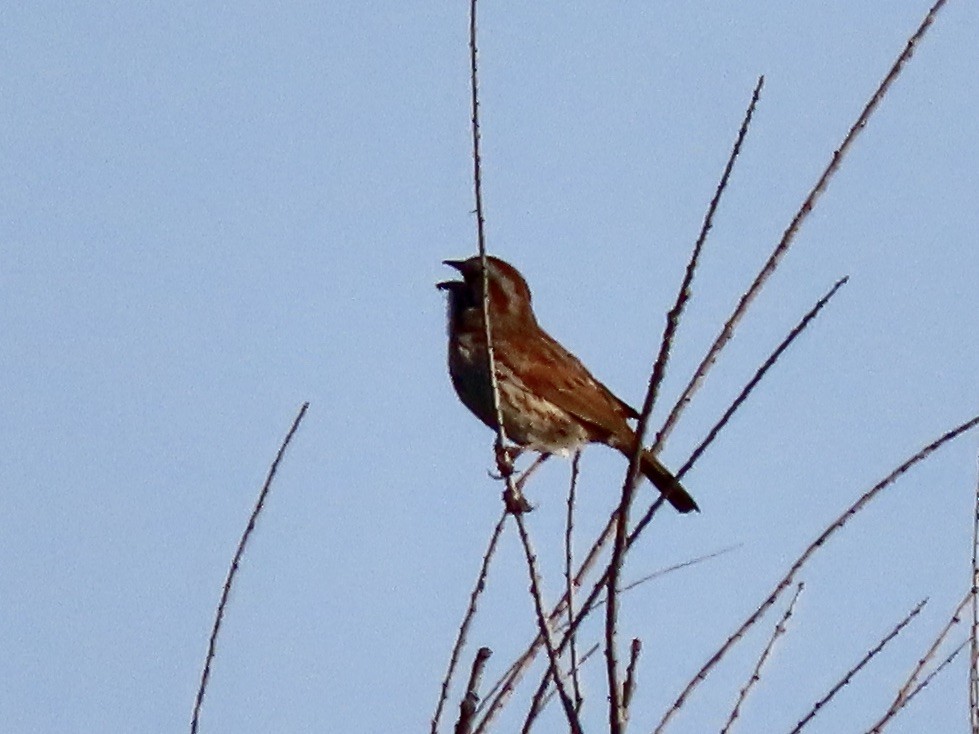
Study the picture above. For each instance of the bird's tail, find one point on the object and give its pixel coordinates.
(666, 483)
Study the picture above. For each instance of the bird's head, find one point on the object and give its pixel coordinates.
(509, 296)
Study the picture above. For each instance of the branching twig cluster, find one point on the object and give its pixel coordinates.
(558, 625)
(606, 590)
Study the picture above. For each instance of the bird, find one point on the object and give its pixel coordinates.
(549, 401)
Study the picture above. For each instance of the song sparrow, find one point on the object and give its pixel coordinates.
(549, 401)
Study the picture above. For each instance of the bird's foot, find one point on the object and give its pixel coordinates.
(516, 503)
(505, 457)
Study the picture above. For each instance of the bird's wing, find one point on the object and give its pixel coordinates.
(556, 375)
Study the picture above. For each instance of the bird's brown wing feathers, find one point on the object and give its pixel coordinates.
(560, 378)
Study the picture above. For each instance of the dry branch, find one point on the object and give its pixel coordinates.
(467, 619)
(786, 580)
(848, 676)
(974, 627)
(235, 563)
(912, 685)
(467, 707)
(762, 659)
(789, 235)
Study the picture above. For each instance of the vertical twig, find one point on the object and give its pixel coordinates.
(467, 707)
(616, 714)
(514, 502)
(763, 658)
(544, 627)
(235, 563)
(569, 578)
(481, 238)
(593, 554)
(974, 627)
(789, 235)
(629, 686)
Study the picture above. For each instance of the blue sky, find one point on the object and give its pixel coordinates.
(210, 213)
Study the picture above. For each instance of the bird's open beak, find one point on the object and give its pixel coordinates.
(450, 284)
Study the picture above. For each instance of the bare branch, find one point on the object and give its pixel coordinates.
(235, 563)
(544, 627)
(550, 691)
(467, 708)
(938, 669)
(848, 676)
(621, 518)
(569, 578)
(760, 373)
(789, 577)
(974, 628)
(629, 686)
(678, 566)
(789, 235)
(911, 687)
(467, 619)
(765, 654)
(683, 296)
(510, 496)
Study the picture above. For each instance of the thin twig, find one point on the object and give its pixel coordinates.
(467, 619)
(542, 694)
(786, 580)
(550, 691)
(909, 688)
(678, 566)
(760, 373)
(467, 707)
(235, 563)
(512, 499)
(478, 588)
(708, 223)
(763, 658)
(501, 441)
(569, 577)
(974, 627)
(848, 676)
(505, 687)
(544, 627)
(530, 470)
(938, 669)
(507, 684)
(629, 686)
(789, 235)
(740, 400)
(616, 713)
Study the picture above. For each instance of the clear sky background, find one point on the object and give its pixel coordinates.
(212, 212)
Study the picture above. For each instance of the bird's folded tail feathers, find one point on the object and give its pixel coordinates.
(667, 484)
